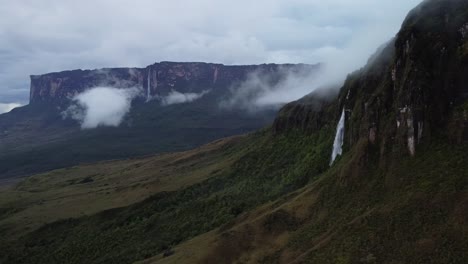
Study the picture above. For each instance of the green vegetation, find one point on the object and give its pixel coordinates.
(411, 212)
(271, 197)
(88, 189)
(287, 162)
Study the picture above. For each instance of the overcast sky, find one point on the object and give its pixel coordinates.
(52, 35)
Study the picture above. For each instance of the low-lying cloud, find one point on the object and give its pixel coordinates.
(267, 90)
(259, 92)
(5, 108)
(176, 97)
(101, 106)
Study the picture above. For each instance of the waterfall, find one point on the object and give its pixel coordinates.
(148, 91)
(339, 137)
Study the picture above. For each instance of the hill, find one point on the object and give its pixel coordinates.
(397, 193)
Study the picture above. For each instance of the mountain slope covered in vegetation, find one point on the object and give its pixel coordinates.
(397, 194)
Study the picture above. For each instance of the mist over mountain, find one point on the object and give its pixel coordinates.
(302, 163)
(5, 108)
(90, 115)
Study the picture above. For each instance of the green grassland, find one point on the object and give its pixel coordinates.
(88, 189)
(145, 228)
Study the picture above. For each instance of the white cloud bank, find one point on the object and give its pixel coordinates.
(5, 108)
(257, 92)
(262, 90)
(175, 97)
(101, 106)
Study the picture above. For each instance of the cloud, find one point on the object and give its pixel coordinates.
(55, 35)
(175, 97)
(258, 92)
(5, 108)
(101, 106)
(265, 90)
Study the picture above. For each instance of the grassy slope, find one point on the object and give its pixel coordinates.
(88, 189)
(146, 228)
(414, 212)
(271, 206)
(377, 204)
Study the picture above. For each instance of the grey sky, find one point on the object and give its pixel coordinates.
(52, 35)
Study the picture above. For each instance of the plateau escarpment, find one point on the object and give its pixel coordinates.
(158, 79)
(37, 137)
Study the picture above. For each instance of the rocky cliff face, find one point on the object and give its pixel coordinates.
(409, 92)
(156, 79)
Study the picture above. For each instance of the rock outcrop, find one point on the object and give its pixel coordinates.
(157, 79)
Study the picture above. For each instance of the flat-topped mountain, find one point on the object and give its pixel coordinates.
(178, 106)
(158, 79)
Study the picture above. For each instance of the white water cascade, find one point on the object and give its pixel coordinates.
(148, 91)
(339, 137)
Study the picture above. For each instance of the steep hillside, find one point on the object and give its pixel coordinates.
(414, 213)
(143, 229)
(397, 194)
